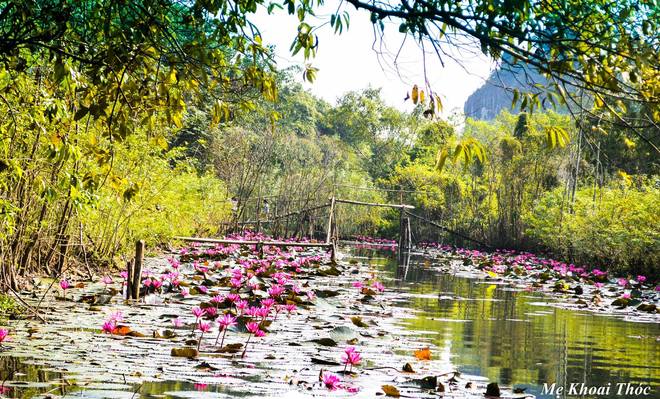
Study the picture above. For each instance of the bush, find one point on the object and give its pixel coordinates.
(617, 230)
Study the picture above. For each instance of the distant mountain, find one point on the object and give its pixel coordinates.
(491, 98)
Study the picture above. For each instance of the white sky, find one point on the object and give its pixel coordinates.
(347, 62)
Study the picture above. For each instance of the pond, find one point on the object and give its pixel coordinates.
(486, 329)
(518, 338)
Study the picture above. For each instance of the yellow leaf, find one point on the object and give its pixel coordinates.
(629, 143)
(391, 391)
(415, 94)
(423, 354)
(422, 96)
(492, 273)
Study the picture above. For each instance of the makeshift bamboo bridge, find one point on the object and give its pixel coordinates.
(330, 234)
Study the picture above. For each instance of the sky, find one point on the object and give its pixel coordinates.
(347, 62)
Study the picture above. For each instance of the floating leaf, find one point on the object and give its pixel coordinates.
(391, 390)
(357, 320)
(184, 352)
(423, 354)
(408, 368)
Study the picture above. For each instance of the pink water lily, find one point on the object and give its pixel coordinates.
(107, 280)
(65, 285)
(177, 322)
(641, 279)
(378, 286)
(253, 328)
(350, 357)
(197, 312)
(331, 381)
(203, 328)
(4, 335)
(224, 323)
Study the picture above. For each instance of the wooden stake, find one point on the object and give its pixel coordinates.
(137, 269)
(129, 279)
(330, 217)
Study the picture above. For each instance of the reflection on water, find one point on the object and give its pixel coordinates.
(515, 338)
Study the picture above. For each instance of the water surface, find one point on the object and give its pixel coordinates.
(516, 337)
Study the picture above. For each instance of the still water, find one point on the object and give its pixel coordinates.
(517, 338)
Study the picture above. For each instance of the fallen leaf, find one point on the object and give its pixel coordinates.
(184, 352)
(423, 354)
(391, 391)
(325, 341)
(357, 320)
(408, 368)
(122, 330)
(230, 348)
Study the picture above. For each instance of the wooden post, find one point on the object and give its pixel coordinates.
(259, 211)
(137, 269)
(408, 235)
(333, 252)
(129, 279)
(330, 217)
(260, 249)
(401, 231)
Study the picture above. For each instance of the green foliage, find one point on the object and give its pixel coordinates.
(7, 306)
(614, 227)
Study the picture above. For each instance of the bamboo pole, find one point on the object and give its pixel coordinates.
(330, 217)
(396, 206)
(432, 223)
(248, 242)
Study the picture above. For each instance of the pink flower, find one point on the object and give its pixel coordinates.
(622, 282)
(331, 381)
(204, 327)
(217, 299)
(268, 302)
(211, 312)
(123, 275)
(259, 333)
(177, 322)
(146, 282)
(641, 279)
(65, 285)
(108, 327)
(290, 307)
(358, 284)
(625, 295)
(4, 335)
(107, 280)
(226, 321)
(203, 289)
(252, 327)
(198, 312)
(157, 284)
(379, 286)
(350, 357)
(117, 316)
(599, 285)
(275, 290)
(185, 292)
(241, 304)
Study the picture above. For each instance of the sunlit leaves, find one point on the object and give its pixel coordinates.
(414, 96)
(310, 73)
(556, 137)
